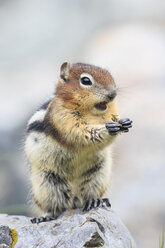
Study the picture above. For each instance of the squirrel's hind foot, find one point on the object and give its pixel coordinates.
(95, 203)
(42, 219)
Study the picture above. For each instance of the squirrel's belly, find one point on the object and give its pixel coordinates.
(62, 179)
(54, 193)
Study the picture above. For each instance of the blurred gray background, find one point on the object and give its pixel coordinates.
(125, 36)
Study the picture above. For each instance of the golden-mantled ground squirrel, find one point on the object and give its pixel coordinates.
(68, 138)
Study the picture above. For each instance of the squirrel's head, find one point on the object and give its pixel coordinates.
(86, 88)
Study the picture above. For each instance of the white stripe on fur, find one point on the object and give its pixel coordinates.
(38, 116)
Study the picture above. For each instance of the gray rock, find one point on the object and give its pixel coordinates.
(4, 246)
(5, 236)
(73, 229)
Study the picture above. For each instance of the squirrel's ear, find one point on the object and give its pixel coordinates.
(64, 71)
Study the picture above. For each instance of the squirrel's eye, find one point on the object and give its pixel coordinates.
(86, 81)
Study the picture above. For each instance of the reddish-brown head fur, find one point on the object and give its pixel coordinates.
(81, 97)
(100, 75)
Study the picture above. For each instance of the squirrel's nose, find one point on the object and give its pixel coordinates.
(112, 95)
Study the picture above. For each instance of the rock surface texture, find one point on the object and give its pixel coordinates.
(74, 229)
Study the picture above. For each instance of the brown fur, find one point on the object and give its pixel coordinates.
(71, 98)
(100, 75)
(72, 141)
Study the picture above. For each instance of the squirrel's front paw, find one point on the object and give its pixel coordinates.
(113, 127)
(42, 219)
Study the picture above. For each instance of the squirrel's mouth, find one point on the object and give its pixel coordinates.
(101, 106)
